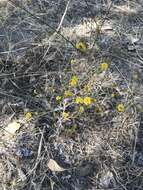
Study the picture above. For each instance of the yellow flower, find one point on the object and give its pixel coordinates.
(81, 109)
(58, 98)
(120, 108)
(104, 66)
(65, 115)
(68, 94)
(28, 116)
(79, 100)
(74, 81)
(87, 101)
(82, 46)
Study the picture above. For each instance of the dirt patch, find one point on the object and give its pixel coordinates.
(71, 76)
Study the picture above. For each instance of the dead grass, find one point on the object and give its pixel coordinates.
(98, 146)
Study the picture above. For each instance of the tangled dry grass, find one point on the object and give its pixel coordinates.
(71, 91)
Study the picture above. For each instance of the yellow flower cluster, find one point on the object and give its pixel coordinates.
(81, 46)
(104, 66)
(120, 107)
(86, 100)
(68, 94)
(79, 100)
(58, 98)
(65, 115)
(81, 109)
(28, 116)
(74, 81)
